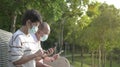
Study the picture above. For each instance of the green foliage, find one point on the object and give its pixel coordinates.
(72, 20)
(52, 10)
(104, 29)
(56, 12)
(93, 9)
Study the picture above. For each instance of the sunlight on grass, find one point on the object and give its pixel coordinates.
(78, 64)
(87, 62)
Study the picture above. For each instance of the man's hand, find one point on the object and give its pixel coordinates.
(50, 51)
(56, 56)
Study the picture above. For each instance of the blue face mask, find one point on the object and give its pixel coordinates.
(33, 29)
(44, 38)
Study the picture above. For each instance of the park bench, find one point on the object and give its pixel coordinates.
(4, 39)
(60, 62)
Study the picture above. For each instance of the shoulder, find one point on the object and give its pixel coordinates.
(33, 36)
(17, 35)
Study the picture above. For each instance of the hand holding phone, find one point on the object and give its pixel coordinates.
(57, 55)
(50, 51)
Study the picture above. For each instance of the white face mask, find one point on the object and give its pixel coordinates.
(33, 29)
(44, 38)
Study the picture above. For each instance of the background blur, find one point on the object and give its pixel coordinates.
(87, 30)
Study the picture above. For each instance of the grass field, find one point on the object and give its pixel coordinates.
(87, 62)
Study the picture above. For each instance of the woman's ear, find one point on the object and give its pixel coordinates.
(28, 23)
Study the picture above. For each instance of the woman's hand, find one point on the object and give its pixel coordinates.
(39, 53)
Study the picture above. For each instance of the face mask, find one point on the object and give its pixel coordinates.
(44, 38)
(33, 29)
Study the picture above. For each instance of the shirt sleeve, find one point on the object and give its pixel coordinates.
(16, 49)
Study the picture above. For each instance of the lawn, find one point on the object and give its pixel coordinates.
(87, 62)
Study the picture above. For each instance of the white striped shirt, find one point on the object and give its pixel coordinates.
(22, 45)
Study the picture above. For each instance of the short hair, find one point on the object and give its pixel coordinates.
(31, 15)
(43, 26)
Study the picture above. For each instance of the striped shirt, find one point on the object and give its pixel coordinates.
(22, 45)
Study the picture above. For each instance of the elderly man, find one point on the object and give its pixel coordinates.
(42, 35)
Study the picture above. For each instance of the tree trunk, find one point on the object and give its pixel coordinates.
(73, 53)
(82, 57)
(110, 60)
(102, 56)
(99, 63)
(104, 59)
(93, 59)
(96, 58)
(59, 38)
(14, 17)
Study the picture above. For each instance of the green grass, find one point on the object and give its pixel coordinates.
(114, 64)
(87, 62)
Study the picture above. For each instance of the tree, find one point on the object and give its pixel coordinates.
(102, 31)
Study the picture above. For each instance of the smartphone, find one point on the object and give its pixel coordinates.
(54, 47)
(60, 52)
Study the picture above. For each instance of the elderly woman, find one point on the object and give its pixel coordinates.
(21, 50)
